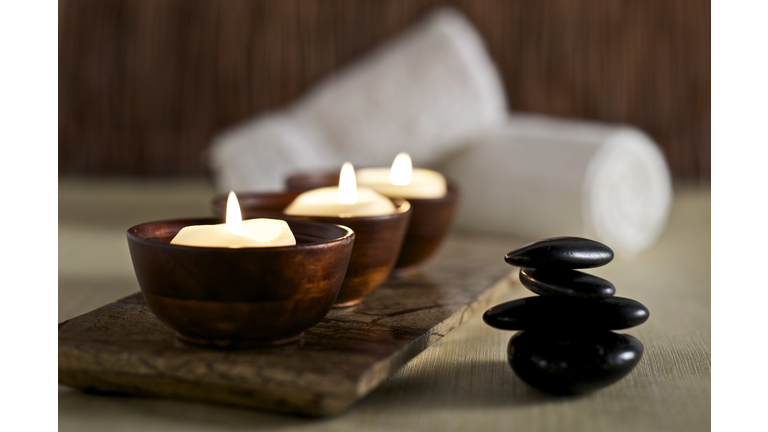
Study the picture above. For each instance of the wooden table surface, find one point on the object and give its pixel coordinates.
(462, 382)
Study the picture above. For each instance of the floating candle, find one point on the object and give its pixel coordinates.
(404, 181)
(345, 200)
(237, 233)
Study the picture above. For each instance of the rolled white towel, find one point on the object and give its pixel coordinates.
(423, 92)
(540, 177)
(259, 154)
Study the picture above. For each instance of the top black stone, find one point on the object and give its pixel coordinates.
(561, 253)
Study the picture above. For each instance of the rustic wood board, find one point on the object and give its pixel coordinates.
(122, 348)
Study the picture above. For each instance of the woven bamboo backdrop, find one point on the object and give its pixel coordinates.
(144, 85)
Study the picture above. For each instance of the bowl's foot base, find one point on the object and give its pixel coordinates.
(403, 272)
(348, 303)
(238, 344)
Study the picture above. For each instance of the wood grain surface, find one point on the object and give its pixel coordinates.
(144, 85)
(460, 383)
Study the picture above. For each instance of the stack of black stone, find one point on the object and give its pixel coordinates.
(566, 345)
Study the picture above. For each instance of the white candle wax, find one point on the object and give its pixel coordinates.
(324, 202)
(237, 233)
(402, 180)
(345, 200)
(256, 233)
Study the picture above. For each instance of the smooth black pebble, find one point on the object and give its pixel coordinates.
(572, 283)
(561, 253)
(568, 363)
(557, 312)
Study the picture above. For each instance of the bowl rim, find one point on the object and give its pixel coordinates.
(348, 235)
(452, 187)
(402, 206)
(451, 193)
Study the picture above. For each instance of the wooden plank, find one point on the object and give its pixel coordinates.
(122, 348)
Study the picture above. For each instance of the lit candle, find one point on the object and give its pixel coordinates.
(344, 200)
(237, 233)
(404, 181)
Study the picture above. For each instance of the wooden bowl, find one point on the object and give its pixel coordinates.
(240, 298)
(378, 239)
(431, 219)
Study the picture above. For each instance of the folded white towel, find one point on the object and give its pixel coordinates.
(541, 177)
(423, 92)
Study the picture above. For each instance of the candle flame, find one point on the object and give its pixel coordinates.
(234, 217)
(402, 170)
(347, 185)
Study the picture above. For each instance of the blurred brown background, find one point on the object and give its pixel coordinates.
(144, 84)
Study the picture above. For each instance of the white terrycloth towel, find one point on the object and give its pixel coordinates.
(540, 177)
(424, 92)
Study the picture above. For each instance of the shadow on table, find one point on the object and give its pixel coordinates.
(455, 386)
(459, 385)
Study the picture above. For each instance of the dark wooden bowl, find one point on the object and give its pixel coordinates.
(430, 222)
(431, 219)
(239, 298)
(378, 239)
